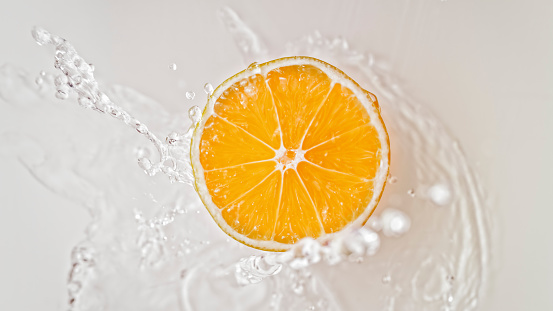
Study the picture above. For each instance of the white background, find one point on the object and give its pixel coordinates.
(485, 67)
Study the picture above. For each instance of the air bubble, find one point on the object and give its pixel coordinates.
(411, 192)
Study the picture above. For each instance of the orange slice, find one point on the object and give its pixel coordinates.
(289, 149)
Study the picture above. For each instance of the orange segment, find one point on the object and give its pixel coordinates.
(297, 217)
(226, 184)
(253, 214)
(224, 144)
(354, 152)
(249, 105)
(298, 92)
(334, 120)
(340, 198)
(290, 149)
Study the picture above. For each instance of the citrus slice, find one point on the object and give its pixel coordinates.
(288, 149)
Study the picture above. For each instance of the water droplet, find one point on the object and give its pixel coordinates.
(395, 223)
(392, 179)
(173, 66)
(39, 81)
(450, 279)
(411, 192)
(195, 114)
(386, 279)
(141, 128)
(375, 223)
(85, 102)
(61, 94)
(208, 88)
(145, 163)
(190, 95)
(440, 194)
(42, 73)
(60, 80)
(41, 36)
(297, 287)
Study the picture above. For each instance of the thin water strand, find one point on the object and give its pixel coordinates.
(78, 77)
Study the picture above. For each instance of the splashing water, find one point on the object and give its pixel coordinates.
(151, 244)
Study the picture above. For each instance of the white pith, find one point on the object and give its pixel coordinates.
(336, 77)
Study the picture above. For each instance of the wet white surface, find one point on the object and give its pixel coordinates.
(484, 67)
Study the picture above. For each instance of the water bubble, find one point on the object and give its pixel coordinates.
(42, 73)
(395, 223)
(392, 179)
(39, 81)
(386, 279)
(411, 192)
(173, 66)
(440, 194)
(208, 88)
(190, 95)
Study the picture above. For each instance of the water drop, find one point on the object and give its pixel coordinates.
(60, 80)
(386, 279)
(440, 194)
(208, 88)
(41, 36)
(85, 102)
(141, 128)
(42, 73)
(61, 94)
(145, 163)
(411, 192)
(392, 179)
(173, 66)
(195, 114)
(450, 279)
(39, 81)
(375, 223)
(190, 95)
(297, 287)
(395, 223)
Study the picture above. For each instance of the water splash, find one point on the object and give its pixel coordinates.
(78, 76)
(150, 244)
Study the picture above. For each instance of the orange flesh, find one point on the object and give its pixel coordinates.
(289, 155)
